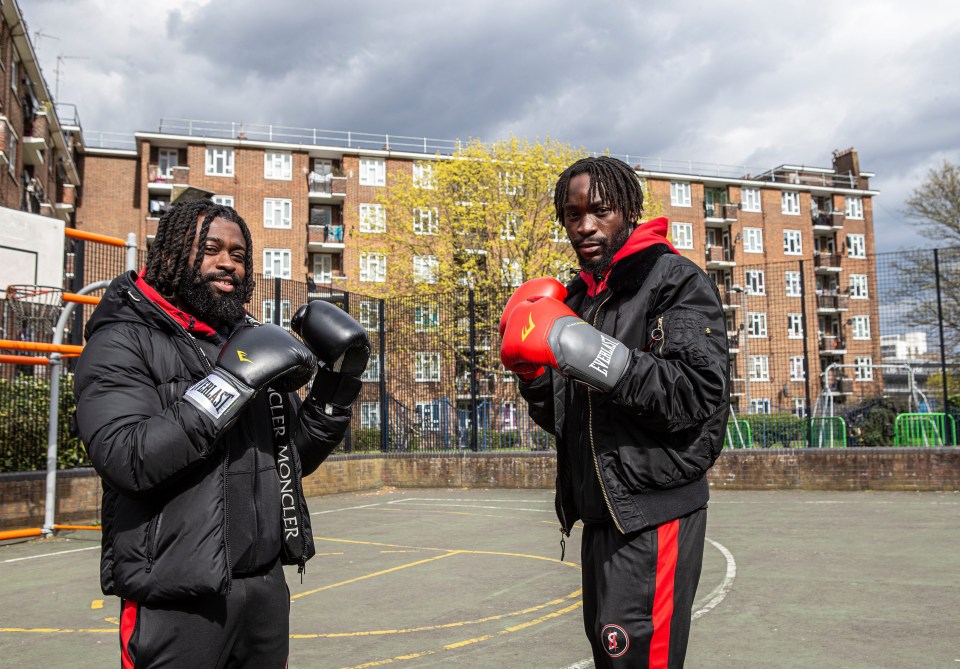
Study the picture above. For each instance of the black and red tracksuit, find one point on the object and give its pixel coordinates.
(632, 462)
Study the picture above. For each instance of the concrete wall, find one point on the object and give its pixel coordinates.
(917, 469)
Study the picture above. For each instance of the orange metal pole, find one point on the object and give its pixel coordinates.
(93, 237)
(23, 360)
(20, 534)
(81, 299)
(76, 527)
(40, 347)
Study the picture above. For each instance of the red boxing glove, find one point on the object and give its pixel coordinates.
(525, 348)
(532, 290)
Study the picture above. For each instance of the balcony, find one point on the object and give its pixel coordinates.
(831, 302)
(731, 300)
(842, 386)
(485, 386)
(324, 188)
(33, 149)
(324, 237)
(720, 214)
(66, 201)
(719, 258)
(824, 221)
(826, 262)
(733, 342)
(738, 387)
(831, 345)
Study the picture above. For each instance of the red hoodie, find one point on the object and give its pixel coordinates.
(646, 235)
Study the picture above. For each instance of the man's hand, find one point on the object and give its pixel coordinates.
(532, 290)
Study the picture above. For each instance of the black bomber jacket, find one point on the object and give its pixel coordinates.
(649, 442)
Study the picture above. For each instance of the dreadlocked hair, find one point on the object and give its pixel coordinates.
(611, 180)
(168, 260)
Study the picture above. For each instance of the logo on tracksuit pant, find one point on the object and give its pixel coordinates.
(615, 640)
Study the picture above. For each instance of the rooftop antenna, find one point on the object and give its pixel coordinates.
(60, 59)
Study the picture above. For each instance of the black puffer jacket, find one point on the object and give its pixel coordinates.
(166, 472)
(639, 454)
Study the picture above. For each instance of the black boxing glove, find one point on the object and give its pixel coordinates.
(342, 346)
(253, 358)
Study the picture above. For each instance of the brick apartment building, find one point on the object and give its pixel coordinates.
(39, 142)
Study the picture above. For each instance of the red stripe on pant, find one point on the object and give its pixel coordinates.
(663, 595)
(128, 623)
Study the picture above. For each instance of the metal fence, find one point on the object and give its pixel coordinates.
(825, 352)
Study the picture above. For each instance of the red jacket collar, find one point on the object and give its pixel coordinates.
(189, 323)
(646, 235)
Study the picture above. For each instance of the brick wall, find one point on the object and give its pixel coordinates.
(914, 469)
(111, 201)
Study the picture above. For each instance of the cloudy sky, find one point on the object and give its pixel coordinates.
(753, 83)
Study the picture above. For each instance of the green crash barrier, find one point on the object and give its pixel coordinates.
(828, 432)
(924, 429)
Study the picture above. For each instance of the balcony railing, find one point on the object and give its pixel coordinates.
(733, 342)
(325, 234)
(833, 302)
(330, 185)
(719, 254)
(832, 344)
(826, 260)
(825, 219)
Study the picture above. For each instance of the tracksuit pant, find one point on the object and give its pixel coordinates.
(638, 591)
(248, 628)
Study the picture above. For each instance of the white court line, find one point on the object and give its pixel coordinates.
(479, 506)
(468, 499)
(346, 508)
(33, 557)
(715, 597)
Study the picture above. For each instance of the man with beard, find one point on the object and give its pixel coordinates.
(187, 408)
(627, 366)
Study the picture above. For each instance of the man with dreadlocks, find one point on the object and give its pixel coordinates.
(627, 366)
(187, 408)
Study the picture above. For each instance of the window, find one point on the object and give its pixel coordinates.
(225, 200)
(759, 368)
(426, 317)
(373, 218)
(372, 371)
(276, 263)
(793, 283)
(512, 272)
(864, 369)
(792, 243)
(856, 246)
(423, 175)
(425, 269)
(861, 327)
(754, 280)
(510, 226)
(373, 267)
(370, 415)
(753, 240)
(796, 368)
(166, 161)
(278, 165)
(426, 366)
(12, 140)
(284, 312)
(751, 199)
(511, 183)
(795, 326)
(679, 194)
(800, 407)
(323, 268)
(368, 314)
(854, 207)
(219, 162)
(277, 213)
(790, 203)
(426, 221)
(510, 416)
(858, 286)
(760, 405)
(683, 235)
(373, 172)
(428, 416)
(757, 324)
(558, 235)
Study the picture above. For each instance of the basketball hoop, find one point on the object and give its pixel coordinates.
(35, 311)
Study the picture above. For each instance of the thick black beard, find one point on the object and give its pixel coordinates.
(614, 244)
(213, 308)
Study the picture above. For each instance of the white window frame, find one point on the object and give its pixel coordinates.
(278, 165)
(426, 366)
(271, 257)
(371, 372)
(423, 175)
(796, 368)
(323, 268)
(864, 368)
(426, 221)
(373, 172)
(853, 207)
(680, 194)
(510, 416)
(219, 161)
(373, 267)
(800, 407)
(759, 368)
(510, 226)
(511, 272)
(859, 287)
(790, 203)
(794, 326)
(753, 240)
(373, 218)
(370, 415)
(860, 326)
(277, 213)
(285, 312)
(754, 282)
(683, 235)
(756, 324)
(792, 284)
(368, 315)
(792, 243)
(223, 200)
(429, 415)
(856, 246)
(164, 164)
(750, 200)
(426, 269)
(426, 317)
(511, 183)
(760, 405)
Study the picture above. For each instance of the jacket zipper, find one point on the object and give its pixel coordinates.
(663, 334)
(153, 529)
(593, 448)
